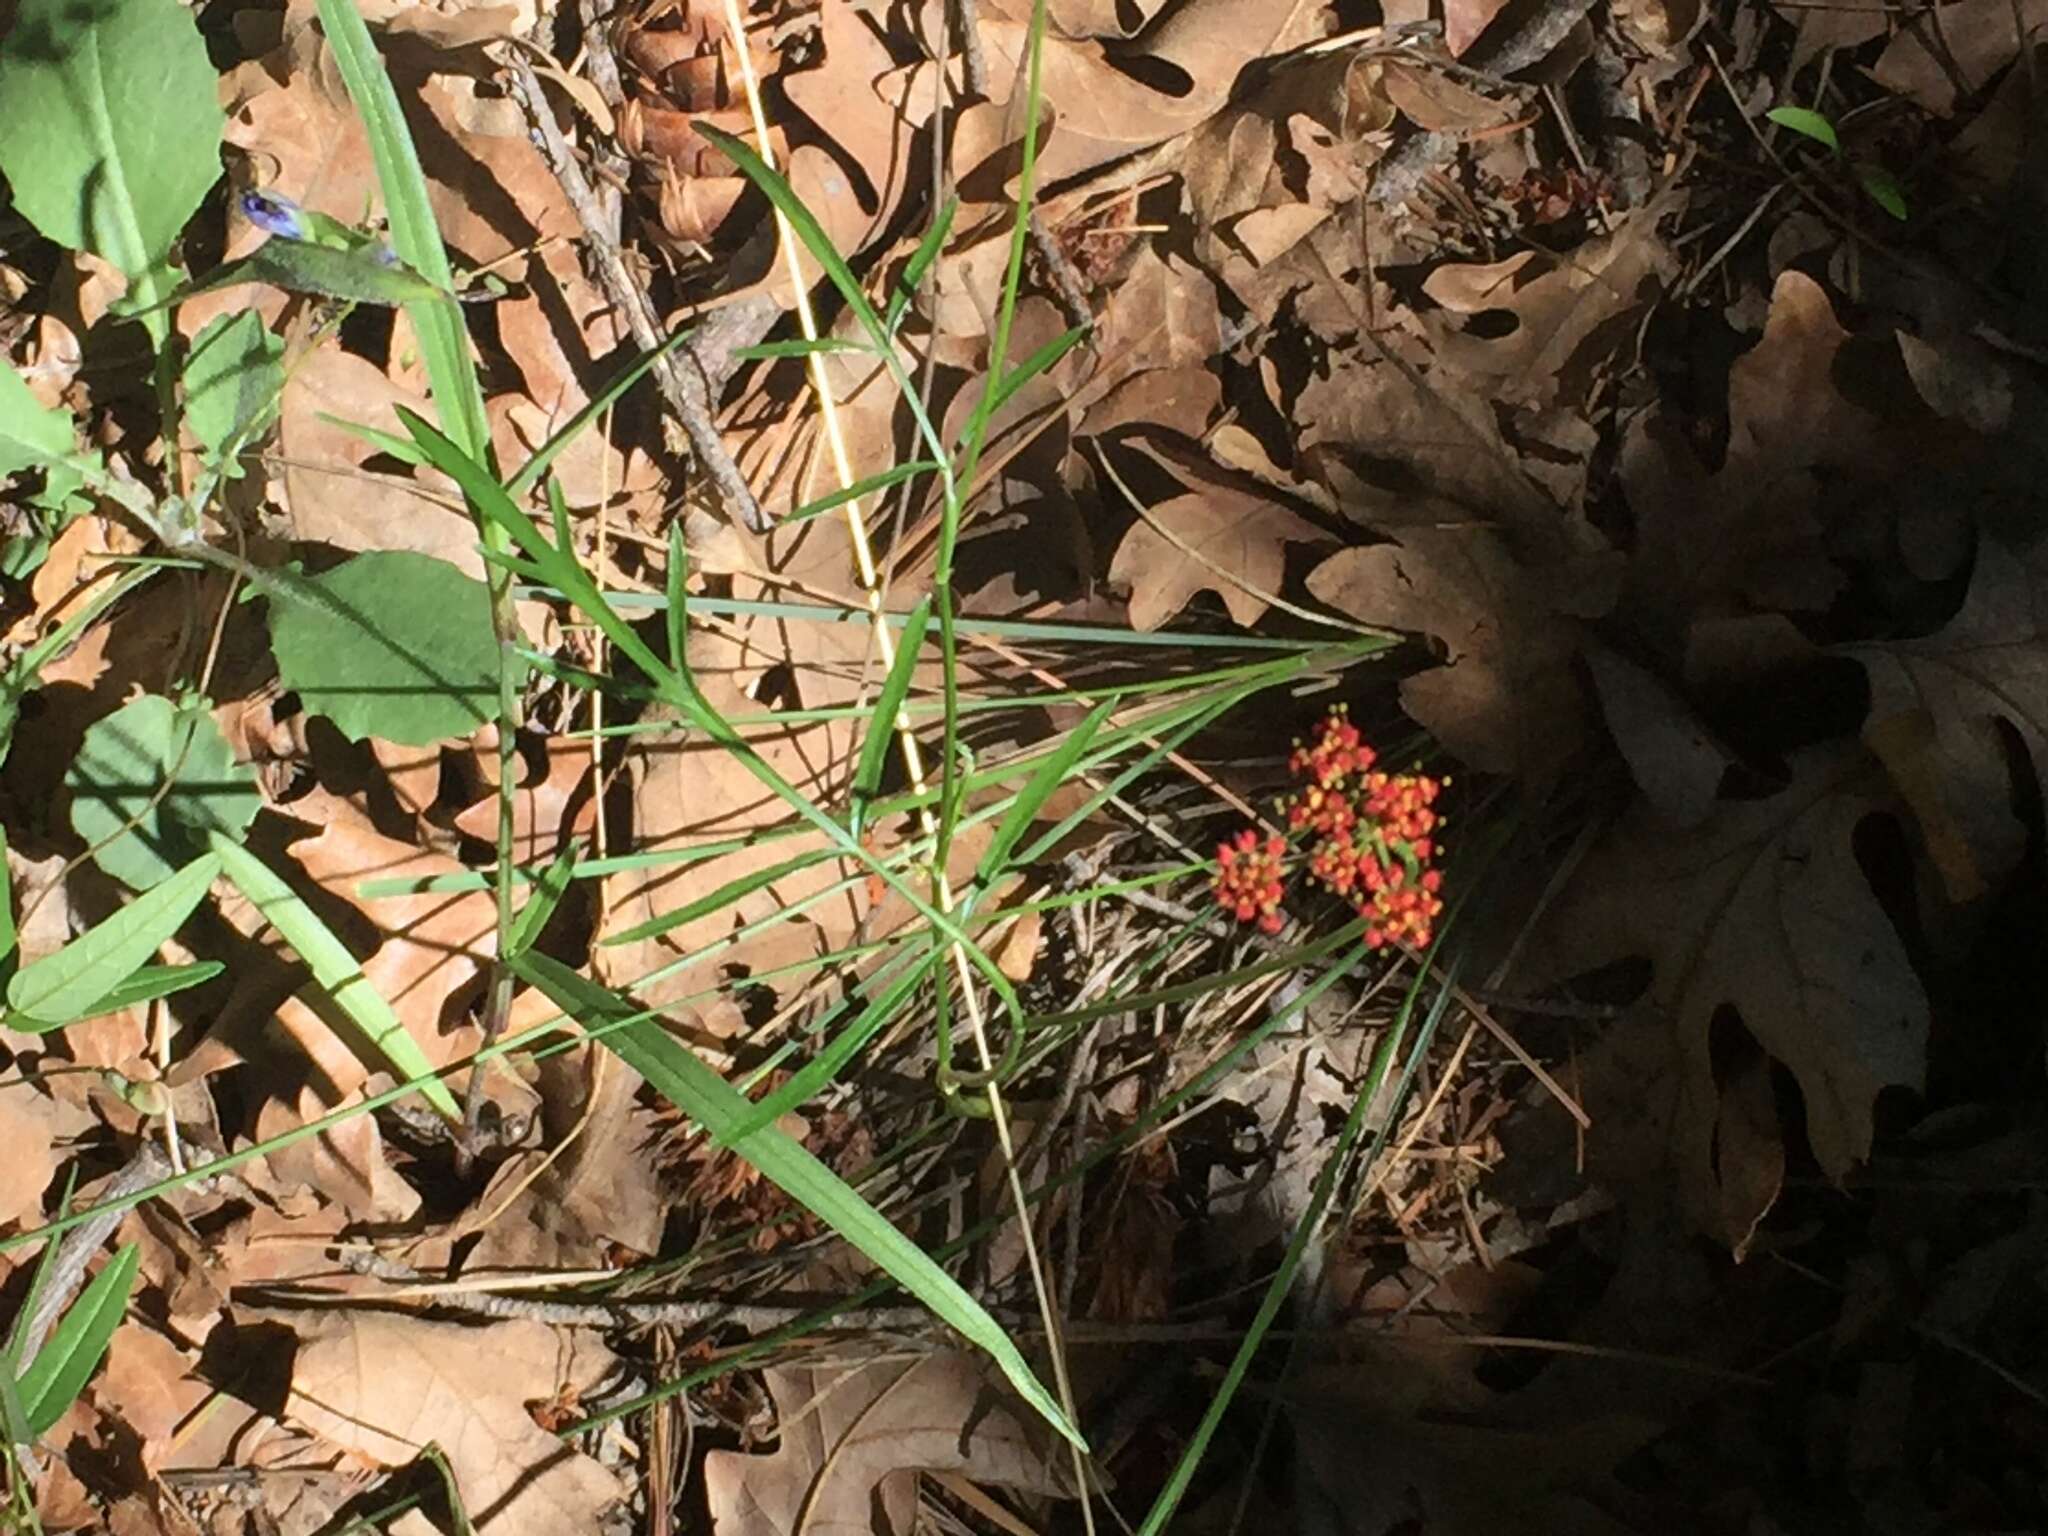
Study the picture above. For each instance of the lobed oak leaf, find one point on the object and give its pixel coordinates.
(1763, 909)
(853, 1442)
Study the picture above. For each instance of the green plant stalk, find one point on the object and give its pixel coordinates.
(1305, 1231)
(451, 371)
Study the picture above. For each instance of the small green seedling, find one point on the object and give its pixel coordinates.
(1879, 184)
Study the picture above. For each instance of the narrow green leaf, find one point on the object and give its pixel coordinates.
(77, 1344)
(1037, 790)
(920, 262)
(299, 266)
(549, 888)
(674, 1070)
(861, 489)
(8, 938)
(1034, 365)
(1811, 124)
(64, 986)
(763, 351)
(531, 471)
(806, 227)
(874, 749)
(383, 1041)
(415, 237)
(142, 986)
(113, 127)
(812, 1078)
(718, 900)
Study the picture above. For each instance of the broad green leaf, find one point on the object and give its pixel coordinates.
(66, 985)
(77, 1344)
(881, 729)
(233, 379)
(123, 763)
(1811, 124)
(113, 126)
(390, 644)
(382, 1040)
(674, 1070)
(32, 435)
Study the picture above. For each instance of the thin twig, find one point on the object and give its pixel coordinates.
(684, 378)
(148, 1166)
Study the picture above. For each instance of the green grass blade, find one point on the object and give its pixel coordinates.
(804, 225)
(1034, 365)
(1037, 790)
(813, 1076)
(383, 1041)
(720, 899)
(881, 733)
(860, 490)
(766, 351)
(548, 891)
(920, 262)
(415, 237)
(716, 1105)
(75, 1347)
(60, 987)
(531, 471)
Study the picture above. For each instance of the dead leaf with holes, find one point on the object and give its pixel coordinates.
(1940, 707)
(1572, 313)
(1764, 912)
(381, 1385)
(854, 1439)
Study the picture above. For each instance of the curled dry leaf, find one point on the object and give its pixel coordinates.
(1764, 909)
(854, 1440)
(382, 1385)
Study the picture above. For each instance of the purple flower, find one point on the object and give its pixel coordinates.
(274, 215)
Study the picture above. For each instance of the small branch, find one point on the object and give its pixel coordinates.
(686, 384)
(75, 1249)
(1395, 178)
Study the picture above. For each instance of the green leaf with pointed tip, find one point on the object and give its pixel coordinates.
(299, 266)
(78, 1343)
(70, 983)
(150, 782)
(113, 126)
(874, 751)
(674, 1071)
(391, 644)
(1808, 123)
(1884, 190)
(1050, 775)
(233, 379)
(381, 1040)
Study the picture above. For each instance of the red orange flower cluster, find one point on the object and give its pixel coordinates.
(1247, 882)
(1374, 841)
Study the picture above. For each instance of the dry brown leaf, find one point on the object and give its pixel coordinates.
(1763, 909)
(854, 1440)
(147, 1385)
(31, 1124)
(1671, 755)
(1506, 701)
(1939, 65)
(1985, 669)
(1572, 314)
(1750, 532)
(1219, 536)
(1434, 102)
(548, 810)
(382, 1385)
(332, 498)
